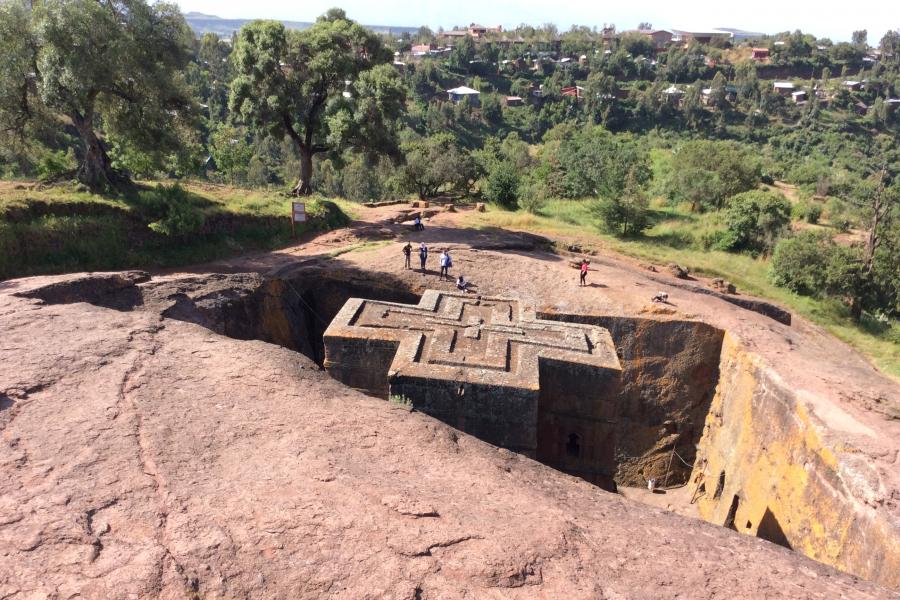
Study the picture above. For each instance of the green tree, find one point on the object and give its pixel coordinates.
(746, 80)
(360, 181)
(435, 164)
(293, 83)
(214, 59)
(799, 262)
(811, 264)
(521, 87)
(879, 203)
(231, 152)
(491, 111)
(503, 185)
(596, 162)
(691, 107)
(626, 213)
(736, 170)
(17, 46)
(718, 95)
(754, 220)
(424, 35)
(110, 64)
(890, 46)
(696, 186)
(462, 54)
(636, 44)
(600, 95)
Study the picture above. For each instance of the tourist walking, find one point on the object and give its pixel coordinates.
(407, 253)
(445, 263)
(584, 270)
(423, 255)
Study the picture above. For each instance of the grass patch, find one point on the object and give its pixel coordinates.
(63, 228)
(677, 236)
(360, 247)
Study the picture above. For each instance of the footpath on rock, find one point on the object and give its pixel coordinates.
(171, 435)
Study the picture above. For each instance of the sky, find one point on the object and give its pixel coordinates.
(825, 18)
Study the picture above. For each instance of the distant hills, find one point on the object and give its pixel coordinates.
(202, 23)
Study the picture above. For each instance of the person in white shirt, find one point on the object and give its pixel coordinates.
(445, 264)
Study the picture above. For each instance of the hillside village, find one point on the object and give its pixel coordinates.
(794, 63)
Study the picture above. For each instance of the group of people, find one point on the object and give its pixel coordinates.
(445, 262)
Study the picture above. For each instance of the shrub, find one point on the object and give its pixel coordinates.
(798, 263)
(533, 195)
(503, 185)
(812, 213)
(172, 210)
(712, 239)
(53, 165)
(842, 224)
(754, 220)
(628, 213)
(401, 401)
(324, 215)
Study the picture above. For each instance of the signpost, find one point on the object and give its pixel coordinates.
(298, 215)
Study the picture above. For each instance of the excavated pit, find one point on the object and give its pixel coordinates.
(670, 368)
(694, 408)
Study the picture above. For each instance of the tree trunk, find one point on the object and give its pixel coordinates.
(856, 308)
(304, 185)
(95, 170)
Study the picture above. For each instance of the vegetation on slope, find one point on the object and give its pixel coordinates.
(67, 228)
(675, 236)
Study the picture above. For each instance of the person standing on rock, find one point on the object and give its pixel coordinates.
(584, 270)
(423, 255)
(407, 253)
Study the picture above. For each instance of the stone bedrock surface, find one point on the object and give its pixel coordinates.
(489, 367)
(145, 457)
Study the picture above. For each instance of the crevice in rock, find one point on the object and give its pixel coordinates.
(426, 551)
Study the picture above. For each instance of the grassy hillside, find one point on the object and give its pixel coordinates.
(63, 228)
(676, 236)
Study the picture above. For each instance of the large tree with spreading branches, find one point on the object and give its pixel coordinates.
(101, 67)
(327, 88)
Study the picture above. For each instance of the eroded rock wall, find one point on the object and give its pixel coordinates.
(764, 468)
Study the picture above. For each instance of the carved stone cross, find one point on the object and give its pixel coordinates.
(482, 364)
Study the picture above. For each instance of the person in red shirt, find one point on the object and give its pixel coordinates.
(584, 269)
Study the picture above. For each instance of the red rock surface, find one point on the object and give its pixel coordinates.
(144, 457)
